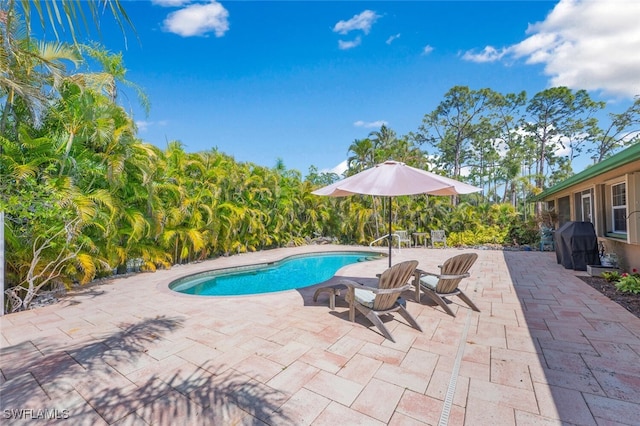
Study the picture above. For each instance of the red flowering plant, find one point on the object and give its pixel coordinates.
(629, 283)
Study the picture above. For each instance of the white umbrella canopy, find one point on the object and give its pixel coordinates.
(393, 178)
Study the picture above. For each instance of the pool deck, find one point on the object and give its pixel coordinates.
(546, 349)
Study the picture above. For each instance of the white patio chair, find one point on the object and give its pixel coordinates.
(438, 236)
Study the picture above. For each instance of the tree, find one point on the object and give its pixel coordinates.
(507, 119)
(65, 15)
(555, 116)
(113, 72)
(43, 270)
(28, 68)
(316, 178)
(383, 141)
(623, 130)
(361, 156)
(453, 125)
(29, 71)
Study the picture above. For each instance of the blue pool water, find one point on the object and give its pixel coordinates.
(293, 272)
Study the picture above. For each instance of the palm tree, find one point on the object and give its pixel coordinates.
(113, 72)
(68, 13)
(30, 69)
(383, 142)
(362, 156)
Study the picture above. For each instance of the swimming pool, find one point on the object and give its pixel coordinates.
(292, 272)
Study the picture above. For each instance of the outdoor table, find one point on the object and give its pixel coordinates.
(332, 291)
(417, 236)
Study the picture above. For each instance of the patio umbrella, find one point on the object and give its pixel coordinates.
(393, 178)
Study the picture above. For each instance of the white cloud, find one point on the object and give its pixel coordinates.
(344, 45)
(198, 19)
(169, 3)
(370, 124)
(488, 54)
(392, 38)
(363, 22)
(143, 126)
(427, 49)
(465, 171)
(591, 45)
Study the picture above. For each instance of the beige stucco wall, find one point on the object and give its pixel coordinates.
(628, 251)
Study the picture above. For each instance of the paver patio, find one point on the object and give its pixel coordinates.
(546, 348)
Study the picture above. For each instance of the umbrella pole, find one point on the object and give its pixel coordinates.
(390, 237)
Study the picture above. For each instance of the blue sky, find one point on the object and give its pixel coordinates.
(301, 81)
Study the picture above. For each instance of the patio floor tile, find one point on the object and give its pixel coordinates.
(347, 346)
(400, 419)
(378, 399)
(259, 368)
(336, 388)
(294, 377)
(503, 395)
(337, 414)
(482, 412)
(410, 379)
(560, 403)
(360, 369)
(386, 355)
(510, 373)
(324, 360)
(420, 407)
(613, 410)
(301, 409)
(288, 353)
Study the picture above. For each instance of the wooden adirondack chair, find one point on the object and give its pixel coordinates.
(383, 299)
(438, 286)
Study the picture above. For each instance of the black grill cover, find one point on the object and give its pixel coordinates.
(577, 245)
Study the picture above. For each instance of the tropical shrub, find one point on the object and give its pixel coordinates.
(629, 283)
(611, 276)
(479, 236)
(524, 233)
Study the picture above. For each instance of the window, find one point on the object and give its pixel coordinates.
(619, 206)
(583, 206)
(564, 210)
(586, 207)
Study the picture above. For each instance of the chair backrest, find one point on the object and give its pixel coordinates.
(546, 234)
(402, 235)
(438, 236)
(457, 265)
(396, 276)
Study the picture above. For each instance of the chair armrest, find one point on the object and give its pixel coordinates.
(419, 273)
(454, 277)
(355, 284)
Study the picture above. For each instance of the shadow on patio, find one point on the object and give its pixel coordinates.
(116, 379)
(588, 347)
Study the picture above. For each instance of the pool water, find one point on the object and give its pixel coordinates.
(293, 272)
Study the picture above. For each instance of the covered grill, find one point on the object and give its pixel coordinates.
(577, 245)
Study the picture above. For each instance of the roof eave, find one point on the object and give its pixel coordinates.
(620, 159)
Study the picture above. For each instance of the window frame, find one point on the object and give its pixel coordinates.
(615, 208)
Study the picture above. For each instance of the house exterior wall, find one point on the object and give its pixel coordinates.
(597, 192)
